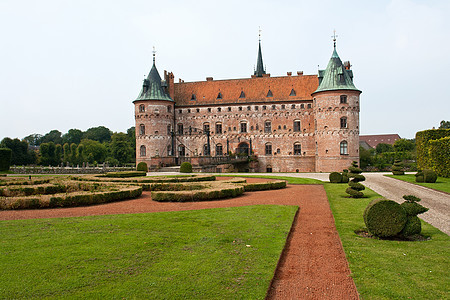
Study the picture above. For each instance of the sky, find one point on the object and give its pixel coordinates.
(80, 64)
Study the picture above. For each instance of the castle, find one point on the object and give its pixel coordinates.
(293, 123)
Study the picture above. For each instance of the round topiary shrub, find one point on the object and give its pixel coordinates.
(412, 226)
(355, 188)
(419, 176)
(397, 168)
(186, 167)
(429, 176)
(384, 218)
(142, 166)
(335, 177)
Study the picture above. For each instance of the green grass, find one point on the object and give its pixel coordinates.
(384, 269)
(290, 180)
(172, 255)
(441, 184)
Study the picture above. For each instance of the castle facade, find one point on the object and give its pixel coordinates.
(292, 123)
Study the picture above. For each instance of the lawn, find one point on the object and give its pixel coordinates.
(441, 184)
(226, 253)
(387, 269)
(290, 180)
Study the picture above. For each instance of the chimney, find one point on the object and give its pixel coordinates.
(209, 79)
(289, 73)
(299, 73)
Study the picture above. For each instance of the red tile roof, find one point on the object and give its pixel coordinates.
(374, 140)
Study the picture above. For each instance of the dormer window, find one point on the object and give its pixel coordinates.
(269, 94)
(219, 96)
(292, 93)
(242, 95)
(193, 97)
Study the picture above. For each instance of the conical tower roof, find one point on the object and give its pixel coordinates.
(335, 76)
(152, 88)
(259, 63)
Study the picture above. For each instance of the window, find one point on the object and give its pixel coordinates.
(343, 98)
(142, 108)
(268, 149)
(264, 107)
(180, 129)
(205, 150)
(169, 150)
(180, 111)
(219, 96)
(283, 106)
(169, 108)
(141, 129)
(297, 149)
(193, 97)
(181, 150)
(198, 109)
(249, 108)
(209, 109)
(219, 109)
(229, 108)
(218, 128)
(344, 122)
(302, 105)
(309, 105)
(169, 129)
(242, 95)
(143, 151)
(292, 93)
(219, 150)
(297, 126)
(274, 107)
(243, 127)
(293, 106)
(267, 127)
(256, 107)
(344, 148)
(189, 110)
(206, 127)
(240, 108)
(269, 94)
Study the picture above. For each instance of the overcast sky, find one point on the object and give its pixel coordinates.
(80, 64)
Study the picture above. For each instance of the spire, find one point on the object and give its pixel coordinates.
(152, 88)
(336, 76)
(259, 62)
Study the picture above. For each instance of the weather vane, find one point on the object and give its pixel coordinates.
(154, 53)
(259, 29)
(334, 36)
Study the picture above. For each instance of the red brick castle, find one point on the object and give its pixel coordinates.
(303, 123)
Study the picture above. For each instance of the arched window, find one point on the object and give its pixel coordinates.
(180, 129)
(143, 151)
(267, 127)
(205, 150)
(268, 149)
(243, 127)
(181, 150)
(344, 148)
(206, 127)
(169, 150)
(297, 126)
(243, 148)
(142, 108)
(219, 150)
(344, 122)
(218, 128)
(297, 149)
(141, 129)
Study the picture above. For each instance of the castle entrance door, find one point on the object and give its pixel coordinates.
(243, 148)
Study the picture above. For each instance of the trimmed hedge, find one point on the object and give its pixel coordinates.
(186, 167)
(263, 186)
(412, 226)
(436, 156)
(428, 176)
(146, 179)
(230, 191)
(384, 218)
(5, 159)
(335, 177)
(142, 166)
(125, 174)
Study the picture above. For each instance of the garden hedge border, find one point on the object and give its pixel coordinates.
(428, 157)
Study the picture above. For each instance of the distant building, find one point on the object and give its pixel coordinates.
(373, 140)
(305, 123)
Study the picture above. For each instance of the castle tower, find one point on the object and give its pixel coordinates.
(336, 108)
(154, 115)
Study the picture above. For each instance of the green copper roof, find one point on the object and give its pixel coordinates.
(259, 63)
(152, 88)
(335, 76)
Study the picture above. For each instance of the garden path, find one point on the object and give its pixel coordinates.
(313, 263)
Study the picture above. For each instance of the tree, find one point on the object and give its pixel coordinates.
(444, 125)
(20, 153)
(94, 151)
(100, 134)
(365, 157)
(33, 139)
(48, 154)
(73, 154)
(66, 153)
(5, 159)
(73, 136)
(382, 147)
(403, 145)
(53, 136)
(121, 148)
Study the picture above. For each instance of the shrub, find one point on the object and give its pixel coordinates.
(335, 177)
(186, 167)
(412, 226)
(423, 143)
(5, 159)
(397, 168)
(125, 174)
(355, 188)
(413, 208)
(345, 178)
(142, 166)
(439, 156)
(429, 176)
(384, 218)
(419, 176)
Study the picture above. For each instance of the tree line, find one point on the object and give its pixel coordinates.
(95, 145)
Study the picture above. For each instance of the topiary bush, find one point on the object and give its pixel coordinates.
(142, 166)
(412, 226)
(412, 209)
(345, 178)
(384, 218)
(397, 168)
(355, 188)
(186, 167)
(5, 159)
(426, 175)
(335, 177)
